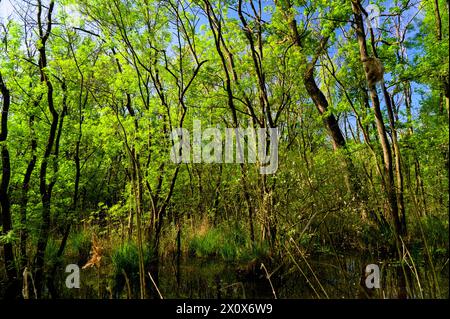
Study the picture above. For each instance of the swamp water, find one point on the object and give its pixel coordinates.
(321, 277)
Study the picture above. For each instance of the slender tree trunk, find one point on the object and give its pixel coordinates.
(24, 197)
(437, 14)
(396, 148)
(322, 105)
(256, 48)
(44, 188)
(398, 162)
(137, 188)
(388, 177)
(5, 204)
(230, 74)
(314, 91)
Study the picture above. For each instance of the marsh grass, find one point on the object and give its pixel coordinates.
(229, 242)
(125, 266)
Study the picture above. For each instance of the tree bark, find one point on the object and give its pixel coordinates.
(4, 194)
(322, 105)
(24, 199)
(389, 183)
(220, 48)
(44, 188)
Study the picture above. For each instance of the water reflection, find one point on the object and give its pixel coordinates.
(328, 276)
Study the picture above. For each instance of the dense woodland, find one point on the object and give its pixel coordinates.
(92, 89)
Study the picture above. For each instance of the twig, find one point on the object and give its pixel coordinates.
(312, 271)
(25, 284)
(160, 296)
(127, 283)
(301, 271)
(412, 266)
(268, 278)
(240, 284)
(27, 273)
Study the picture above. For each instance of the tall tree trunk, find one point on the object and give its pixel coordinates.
(396, 147)
(313, 89)
(44, 188)
(437, 14)
(445, 79)
(322, 105)
(66, 233)
(230, 74)
(256, 48)
(24, 194)
(5, 204)
(137, 190)
(389, 183)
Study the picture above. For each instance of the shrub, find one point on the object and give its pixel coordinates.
(79, 244)
(125, 258)
(229, 242)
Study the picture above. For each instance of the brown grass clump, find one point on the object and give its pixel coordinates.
(96, 254)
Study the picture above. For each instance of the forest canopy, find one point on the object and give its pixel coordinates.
(141, 138)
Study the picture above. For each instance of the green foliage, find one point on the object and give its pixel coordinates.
(79, 246)
(229, 242)
(123, 74)
(51, 253)
(8, 238)
(125, 258)
(436, 232)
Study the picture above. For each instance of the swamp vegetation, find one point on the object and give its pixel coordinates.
(91, 92)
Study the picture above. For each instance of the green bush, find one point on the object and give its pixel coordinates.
(51, 253)
(126, 258)
(79, 244)
(436, 232)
